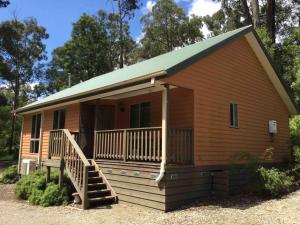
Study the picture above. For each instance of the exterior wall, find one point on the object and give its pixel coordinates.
(180, 108)
(71, 123)
(234, 74)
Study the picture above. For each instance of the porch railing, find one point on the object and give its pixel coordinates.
(143, 144)
(137, 144)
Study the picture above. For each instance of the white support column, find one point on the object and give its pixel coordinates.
(41, 140)
(20, 148)
(164, 130)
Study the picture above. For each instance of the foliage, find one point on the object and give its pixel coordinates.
(167, 27)
(275, 182)
(34, 188)
(27, 184)
(21, 53)
(4, 3)
(296, 154)
(295, 130)
(53, 196)
(92, 50)
(10, 175)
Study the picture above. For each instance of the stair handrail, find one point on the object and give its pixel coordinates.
(76, 147)
(72, 162)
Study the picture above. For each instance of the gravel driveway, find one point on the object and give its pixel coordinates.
(234, 211)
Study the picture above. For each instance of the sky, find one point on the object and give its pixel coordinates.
(57, 16)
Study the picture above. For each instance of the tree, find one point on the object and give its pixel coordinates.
(21, 53)
(167, 27)
(271, 19)
(125, 10)
(4, 3)
(92, 50)
(247, 12)
(255, 13)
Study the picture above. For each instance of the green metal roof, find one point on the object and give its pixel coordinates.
(169, 62)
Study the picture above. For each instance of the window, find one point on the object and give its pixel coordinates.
(59, 119)
(140, 115)
(234, 115)
(35, 133)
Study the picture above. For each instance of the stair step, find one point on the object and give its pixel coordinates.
(92, 180)
(99, 193)
(95, 202)
(93, 173)
(96, 186)
(102, 198)
(91, 168)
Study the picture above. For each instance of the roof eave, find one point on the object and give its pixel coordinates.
(158, 74)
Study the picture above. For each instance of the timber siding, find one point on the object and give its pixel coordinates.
(234, 74)
(71, 123)
(136, 184)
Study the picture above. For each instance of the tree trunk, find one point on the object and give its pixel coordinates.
(247, 12)
(255, 13)
(13, 119)
(121, 64)
(271, 19)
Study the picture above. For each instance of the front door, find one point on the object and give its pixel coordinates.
(105, 117)
(86, 128)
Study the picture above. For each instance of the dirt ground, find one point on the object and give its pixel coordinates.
(242, 209)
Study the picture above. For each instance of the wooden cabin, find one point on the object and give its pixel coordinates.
(164, 131)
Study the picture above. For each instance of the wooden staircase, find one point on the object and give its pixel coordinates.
(99, 191)
(88, 180)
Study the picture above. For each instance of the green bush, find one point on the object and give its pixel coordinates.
(10, 175)
(295, 130)
(33, 188)
(296, 154)
(27, 184)
(35, 197)
(275, 182)
(53, 196)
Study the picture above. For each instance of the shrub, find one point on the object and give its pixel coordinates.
(35, 197)
(10, 175)
(33, 181)
(295, 130)
(53, 196)
(33, 188)
(275, 182)
(296, 154)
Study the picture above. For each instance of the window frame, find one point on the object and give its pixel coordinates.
(59, 111)
(234, 115)
(35, 136)
(139, 114)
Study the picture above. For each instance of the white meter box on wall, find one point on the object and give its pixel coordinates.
(272, 126)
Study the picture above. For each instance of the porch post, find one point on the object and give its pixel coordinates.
(165, 122)
(96, 126)
(41, 139)
(164, 132)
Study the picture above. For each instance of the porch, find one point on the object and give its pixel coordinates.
(126, 140)
(139, 126)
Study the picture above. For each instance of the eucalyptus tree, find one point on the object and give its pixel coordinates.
(22, 53)
(167, 27)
